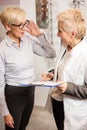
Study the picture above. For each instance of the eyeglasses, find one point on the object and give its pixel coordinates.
(21, 26)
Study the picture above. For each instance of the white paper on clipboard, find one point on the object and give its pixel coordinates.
(45, 84)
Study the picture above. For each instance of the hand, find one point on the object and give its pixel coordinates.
(63, 86)
(33, 29)
(9, 120)
(47, 76)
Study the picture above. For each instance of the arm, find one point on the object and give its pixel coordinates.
(76, 90)
(68, 88)
(3, 106)
(43, 47)
(40, 46)
(79, 91)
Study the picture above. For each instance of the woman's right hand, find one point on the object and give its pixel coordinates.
(47, 76)
(9, 120)
(33, 29)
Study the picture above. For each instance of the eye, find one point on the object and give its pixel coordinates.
(21, 26)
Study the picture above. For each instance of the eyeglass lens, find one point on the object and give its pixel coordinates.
(25, 24)
(22, 25)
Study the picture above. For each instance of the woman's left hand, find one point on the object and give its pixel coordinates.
(33, 29)
(63, 86)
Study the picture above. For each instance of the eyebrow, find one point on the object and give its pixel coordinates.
(20, 23)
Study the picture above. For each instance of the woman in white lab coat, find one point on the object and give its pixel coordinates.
(71, 69)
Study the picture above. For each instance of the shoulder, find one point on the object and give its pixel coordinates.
(83, 47)
(2, 45)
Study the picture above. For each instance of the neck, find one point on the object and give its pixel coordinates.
(16, 39)
(76, 41)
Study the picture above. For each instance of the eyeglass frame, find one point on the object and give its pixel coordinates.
(21, 26)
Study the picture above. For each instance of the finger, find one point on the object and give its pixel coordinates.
(11, 124)
(50, 75)
(32, 24)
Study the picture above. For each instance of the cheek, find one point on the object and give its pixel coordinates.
(64, 39)
(19, 33)
(61, 36)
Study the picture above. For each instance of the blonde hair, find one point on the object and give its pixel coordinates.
(12, 15)
(72, 21)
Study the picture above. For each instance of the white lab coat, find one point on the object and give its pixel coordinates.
(72, 68)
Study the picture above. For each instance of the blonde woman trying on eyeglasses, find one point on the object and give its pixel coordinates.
(17, 66)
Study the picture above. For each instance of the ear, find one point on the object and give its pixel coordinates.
(8, 28)
(73, 34)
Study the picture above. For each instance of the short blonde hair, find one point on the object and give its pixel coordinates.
(72, 21)
(12, 15)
